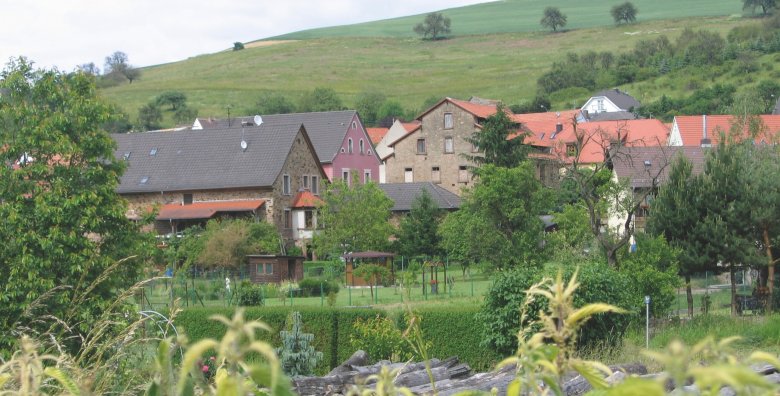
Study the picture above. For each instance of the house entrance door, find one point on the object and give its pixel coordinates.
(291, 269)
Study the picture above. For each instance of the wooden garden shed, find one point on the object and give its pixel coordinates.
(354, 260)
(269, 268)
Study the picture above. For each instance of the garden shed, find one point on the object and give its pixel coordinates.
(354, 260)
(269, 268)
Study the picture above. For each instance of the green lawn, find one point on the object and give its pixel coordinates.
(510, 16)
(502, 66)
(464, 291)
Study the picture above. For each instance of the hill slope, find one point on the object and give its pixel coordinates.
(510, 16)
(501, 66)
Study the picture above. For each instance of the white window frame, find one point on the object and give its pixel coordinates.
(410, 172)
(305, 182)
(350, 146)
(366, 176)
(436, 174)
(362, 147)
(346, 175)
(451, 148)
(315, 185)
(424, 148)
(286, 185)
(463, 174)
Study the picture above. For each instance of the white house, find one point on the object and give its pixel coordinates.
(609, 101)
(384, 149)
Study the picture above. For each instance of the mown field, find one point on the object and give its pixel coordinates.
(511, 16)
(502, 66)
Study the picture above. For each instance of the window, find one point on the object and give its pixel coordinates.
(315, 185)
(463, 174)
(153, 152)
(308, 218)
(408, 175)
(286, 187)
(600, 105)
(345, 175)
(420, 146)
(144, 180)
(264, 268)
(474, 146)
(354, 125)
(305, 182)
(571, 150)
(362, 147)
(187, 199)
(126, 156)
(366, 176)
(287, 218)
(447, 120)
(449, 145)
(435, 175)
(350, 147)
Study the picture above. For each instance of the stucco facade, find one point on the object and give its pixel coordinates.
(361, 158)
(435, 151)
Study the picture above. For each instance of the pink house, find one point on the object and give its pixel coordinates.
(339, 138)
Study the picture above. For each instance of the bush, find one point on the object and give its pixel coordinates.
(380, 338)
(314, 287)
(238, 46)
(500, 313)
(250, 295)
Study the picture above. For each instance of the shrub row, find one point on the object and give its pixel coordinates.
(314, 287)
(453, 331)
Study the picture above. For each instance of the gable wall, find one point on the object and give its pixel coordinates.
(356, 162)
(432, 130)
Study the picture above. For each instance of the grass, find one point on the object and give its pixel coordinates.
(503, 66)
(511, 16)
(469, 292)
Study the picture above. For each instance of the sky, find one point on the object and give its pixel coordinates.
(67, 33)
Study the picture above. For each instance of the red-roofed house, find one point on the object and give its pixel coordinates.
(434, 151)
(705, 130)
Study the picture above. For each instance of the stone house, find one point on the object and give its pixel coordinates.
(435, 151)
(339, 138)
(384, 146)
(191, 176)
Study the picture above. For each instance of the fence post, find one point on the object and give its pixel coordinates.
(322, 298)
(291, 296)
(350, 295)
(376, 295)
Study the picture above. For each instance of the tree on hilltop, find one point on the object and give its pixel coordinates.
(118, 67)
(435, 25)
(553, 18)
(766, 5)
(624, 13)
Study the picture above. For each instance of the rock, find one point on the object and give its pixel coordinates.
(359, 358)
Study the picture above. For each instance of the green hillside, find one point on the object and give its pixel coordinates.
(503, 66)
(511, 16)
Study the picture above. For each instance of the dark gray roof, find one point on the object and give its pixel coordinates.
(629, 162)
(326, 129)
(620, 98)
(404, 194)
(204, 159)
(612, 116)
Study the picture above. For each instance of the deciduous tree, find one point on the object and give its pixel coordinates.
(355, 218)
(766, 5)
(320, 99)
(553, 18)
(149, 116)
(272, 103)
(117, 67)
(435, 26)
(624, 13)
(175, 99)
(63, 225)
(227, 242)
(368, 104)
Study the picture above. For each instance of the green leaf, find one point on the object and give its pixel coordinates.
(593, 372)
(63, 379)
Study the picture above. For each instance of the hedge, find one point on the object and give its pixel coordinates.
(452, 331)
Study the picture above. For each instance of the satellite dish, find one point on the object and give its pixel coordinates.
(258, 120)
(243, 145)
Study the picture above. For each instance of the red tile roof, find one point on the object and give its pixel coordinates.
(376, 134)
(411, 126)
(206, 210)
(692, 128)
(595, 136)
(479, 110)
(305, 199)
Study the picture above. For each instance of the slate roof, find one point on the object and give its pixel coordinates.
(326, 129)
(619, 98)
(629, 162)
(611, 116)
(204, 159)
(404, 194)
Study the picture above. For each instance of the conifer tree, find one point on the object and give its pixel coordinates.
(297, 355)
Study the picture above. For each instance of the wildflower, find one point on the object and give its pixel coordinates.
(205, 368)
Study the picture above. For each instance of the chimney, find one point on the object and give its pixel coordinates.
(705, 141)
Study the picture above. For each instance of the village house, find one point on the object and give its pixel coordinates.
(645, 169)
(705, 130)
(384, 148)
(403, 196)
(435, 151)
(609, 105)
(342, 143)
(269, 172)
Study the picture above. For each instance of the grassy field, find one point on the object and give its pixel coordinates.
(511, 16)
(502, 66)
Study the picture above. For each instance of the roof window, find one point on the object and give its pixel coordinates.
(153, 152)
(144, 180)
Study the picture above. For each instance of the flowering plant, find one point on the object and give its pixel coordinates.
(434, 281)
(208, 367)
